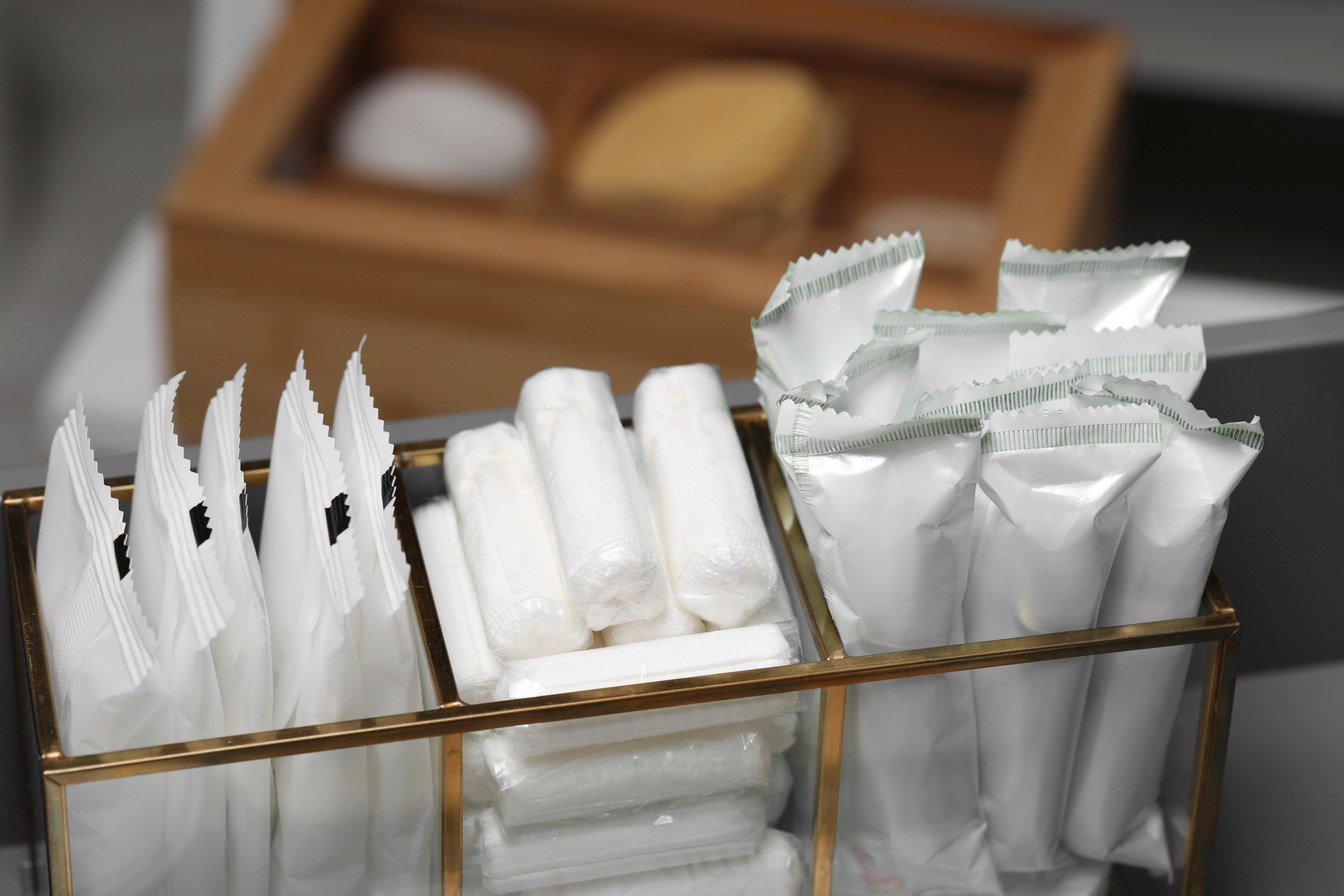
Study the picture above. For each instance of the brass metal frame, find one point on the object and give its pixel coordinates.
(832, 674)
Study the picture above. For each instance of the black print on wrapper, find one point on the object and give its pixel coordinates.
(242, 507)
(123, 558)
(389, 484)
(338, 517)
(200, 524)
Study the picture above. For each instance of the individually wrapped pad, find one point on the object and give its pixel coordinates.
(311, 578)
(180, 586)
(1176, 514)
(402, 817)
(720, 562)
(1041, 389)
(1172, 356)
(1096, 289)
(476, 669)
(597, 781)
(961, 348)
(1057, 483)
(718, 828)
(823, 309)
(242, 651)
(599, 516)
(707, 653)
(513, 562)
(109, 693)
(878, 382)
(774, 869)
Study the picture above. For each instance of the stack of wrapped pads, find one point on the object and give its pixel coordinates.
(574, 554)
(182, 632)
(966, 477)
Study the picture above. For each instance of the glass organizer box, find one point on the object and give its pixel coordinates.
(821, 677)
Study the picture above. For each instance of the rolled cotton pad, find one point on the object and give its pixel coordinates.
(600, 519)
(508, 546)
(444, 128)
(720, 562)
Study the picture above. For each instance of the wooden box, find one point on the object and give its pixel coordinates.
(273, 249)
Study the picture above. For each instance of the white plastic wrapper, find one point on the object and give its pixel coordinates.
(312, 585)
(402, 816)
(823, 309)
(707, 653)
(475, 773)
(774, 869)
(1081, 877)
(1176, 515)
(720, 562)
(663, 837)
(110, 694)
(175, 556)
(878, 382)
(1042, 389)
(894, 505)
(476, 669)
(1057, 482)
(1097, 289)
(1172, 356)
(961, 348)
(780, 788)
(513, 561)
(673, 620)
(599, 516)
(598, 781)
(242, 651)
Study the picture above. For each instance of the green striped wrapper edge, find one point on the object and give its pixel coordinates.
(1071, 436)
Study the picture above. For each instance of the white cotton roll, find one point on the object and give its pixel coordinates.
(774, 869)
(719, 828)
(720, 562)
(476, 669)
(604, 534)
(508, 547)
(475, 773)
(581, 783)
(780, 788)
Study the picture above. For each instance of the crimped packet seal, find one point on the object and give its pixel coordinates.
(1097, 288)
(1045, 388)
(1173, 356)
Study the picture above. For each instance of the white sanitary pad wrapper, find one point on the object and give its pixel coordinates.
(720, 562)
(1097, 289)
(565, 853)
(311, 578)
(476, 669)
(110, 694)
(175, 557)
(878, 382)
(600, 780)
(1172, 356)
(599, 516)
(1176, 515)
(402, 816)
(242, 651)
(707, 653)
(1057, 483)
(514, 566)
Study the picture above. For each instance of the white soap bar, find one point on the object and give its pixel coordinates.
(581, 783)
(608, 552)
(508, 546)
(719, 828)
(448, 128)
(720, 562)
(476, 669)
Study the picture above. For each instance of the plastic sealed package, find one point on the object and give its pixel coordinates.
(476, 669)
(242, 650)
(524, 603)
(1176, 515)
(1172, 356)
(1047, 388)
(1057, 483)
(962, 348)
(1097, 289)
(311, 578)
(180, 586)
(720, 562)
(878, 382)
(823, 308)
(110, 694)
(402, 816)
(599, 516)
